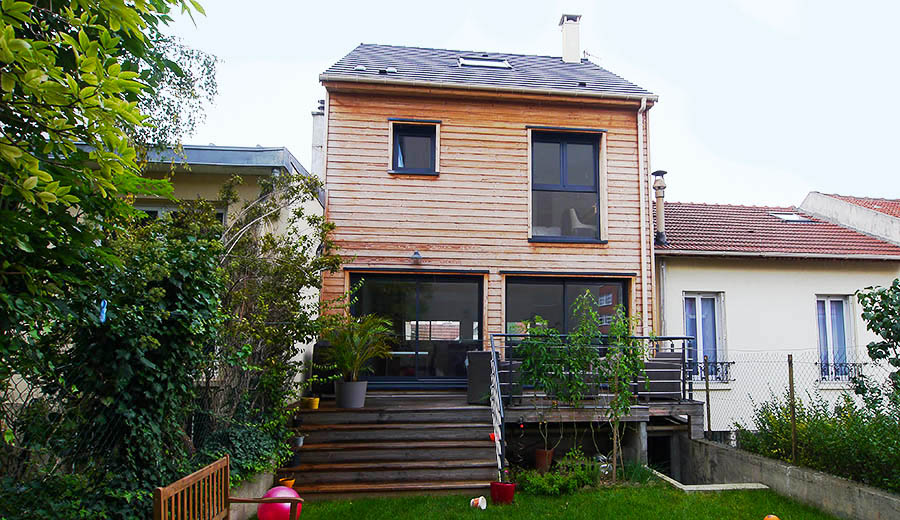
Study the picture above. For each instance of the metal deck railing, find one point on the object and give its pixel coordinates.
(668, 374)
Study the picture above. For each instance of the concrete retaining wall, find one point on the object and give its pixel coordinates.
(253, 488)
(704, 462)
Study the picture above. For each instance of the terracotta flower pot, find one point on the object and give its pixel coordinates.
(503, 492)
(543, 459)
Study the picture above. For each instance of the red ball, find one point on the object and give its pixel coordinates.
(278, 511)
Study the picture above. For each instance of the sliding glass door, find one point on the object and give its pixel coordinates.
(436, 320)
(551, 299)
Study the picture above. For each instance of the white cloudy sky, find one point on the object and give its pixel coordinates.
(761, 101)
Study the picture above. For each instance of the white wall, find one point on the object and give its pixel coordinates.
(768, 311)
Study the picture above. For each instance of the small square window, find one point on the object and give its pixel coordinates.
(414, 148)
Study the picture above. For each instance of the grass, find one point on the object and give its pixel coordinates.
(653, 500)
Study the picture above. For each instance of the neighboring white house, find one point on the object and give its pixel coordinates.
(754, 284)
(873, 216)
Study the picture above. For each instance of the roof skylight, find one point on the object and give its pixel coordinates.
(493, 63)
(791, 217)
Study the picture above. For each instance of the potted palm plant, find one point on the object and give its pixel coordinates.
(353, 342)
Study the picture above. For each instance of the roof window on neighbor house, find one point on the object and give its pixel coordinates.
(791, 217)
(483, 61)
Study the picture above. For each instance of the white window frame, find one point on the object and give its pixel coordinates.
(719, 299)
(848, 332)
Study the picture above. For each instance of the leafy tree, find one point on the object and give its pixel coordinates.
(183, 82)
(129, 367)
(275, 249)
(76, 84)
(623, 363)
(881, 312)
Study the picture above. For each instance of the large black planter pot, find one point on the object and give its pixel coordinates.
(350, 394)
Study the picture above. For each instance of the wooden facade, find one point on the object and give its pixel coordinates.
(474, 216)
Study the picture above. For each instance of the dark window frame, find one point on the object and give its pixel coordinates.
(400, 129)
(565, 281)
(419, 277)
(563, 139)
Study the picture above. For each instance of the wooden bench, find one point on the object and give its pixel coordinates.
(205, 495)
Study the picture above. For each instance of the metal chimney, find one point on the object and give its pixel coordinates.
(659, 186)
(318, 141)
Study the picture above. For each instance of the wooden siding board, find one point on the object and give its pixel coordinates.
(475, 214)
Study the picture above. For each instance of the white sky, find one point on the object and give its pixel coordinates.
(761, 101)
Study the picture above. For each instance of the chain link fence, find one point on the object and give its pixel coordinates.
(751, 377)
(45, 435)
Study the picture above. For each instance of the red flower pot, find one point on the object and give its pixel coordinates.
(503, 492)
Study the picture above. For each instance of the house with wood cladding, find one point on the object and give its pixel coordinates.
(472, 191)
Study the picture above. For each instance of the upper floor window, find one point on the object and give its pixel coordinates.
(565, 183)
(414, 148)
(831, 323)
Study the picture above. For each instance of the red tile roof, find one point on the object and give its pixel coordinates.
(887, 206)
(754, 230)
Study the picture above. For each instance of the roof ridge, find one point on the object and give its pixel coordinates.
(721, 205)
(861, 198)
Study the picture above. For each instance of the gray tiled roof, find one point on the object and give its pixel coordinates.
(232, 156)
(441, 67)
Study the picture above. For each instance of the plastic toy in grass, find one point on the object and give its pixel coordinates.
(478, 503)
(771, 517)
(278, 510)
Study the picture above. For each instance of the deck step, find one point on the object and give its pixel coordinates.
(400, 443)
(391, 432)
(408, 451)
(386, 466)
(386, 426)
(397, 472)
(461, 414)
(315, 492)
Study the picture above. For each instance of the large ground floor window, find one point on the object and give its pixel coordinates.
(552, 299)
(436, 319)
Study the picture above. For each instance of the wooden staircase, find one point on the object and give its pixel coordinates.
(664, 372)
(400, 443)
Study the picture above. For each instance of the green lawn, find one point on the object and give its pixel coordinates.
(652, 501)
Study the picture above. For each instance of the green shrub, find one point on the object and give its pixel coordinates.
(252, 450)
(73, 497)
(551, 483)
(570, 474)
(637, 473)
(861, 443)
